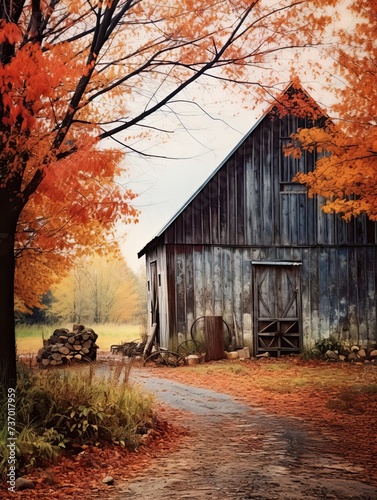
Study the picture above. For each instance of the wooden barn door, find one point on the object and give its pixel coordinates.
(154, 299)
(277, 308)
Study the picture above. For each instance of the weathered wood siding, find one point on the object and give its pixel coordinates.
(251, 210)
(338, 288)
(252, 200)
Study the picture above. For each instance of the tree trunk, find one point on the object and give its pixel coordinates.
(8, 369)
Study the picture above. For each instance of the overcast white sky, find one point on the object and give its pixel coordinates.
(199, 143)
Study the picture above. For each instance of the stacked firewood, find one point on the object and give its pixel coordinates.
(65, 346)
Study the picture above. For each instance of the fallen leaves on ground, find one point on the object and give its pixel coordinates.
(81, 476)
(336, 400)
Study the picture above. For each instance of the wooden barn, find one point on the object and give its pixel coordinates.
(252, 247)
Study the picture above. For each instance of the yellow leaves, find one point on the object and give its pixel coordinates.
(98, 283)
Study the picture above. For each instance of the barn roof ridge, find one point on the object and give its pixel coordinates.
(219, 167)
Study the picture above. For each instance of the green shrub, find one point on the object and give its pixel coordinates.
(61, 408)
(322, 346)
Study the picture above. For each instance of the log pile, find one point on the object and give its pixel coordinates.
(129, 349)
(356, 354)
(66, 346)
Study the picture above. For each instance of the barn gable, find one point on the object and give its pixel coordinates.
(250, 246)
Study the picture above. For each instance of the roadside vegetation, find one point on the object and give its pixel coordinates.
(64, 409)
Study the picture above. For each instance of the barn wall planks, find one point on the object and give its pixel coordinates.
(222, 285)
(252, 201)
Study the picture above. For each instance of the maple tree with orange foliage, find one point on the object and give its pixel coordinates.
(346, 176)
(73, 73)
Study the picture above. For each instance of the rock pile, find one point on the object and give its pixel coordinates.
(65, 346)
(355, 354)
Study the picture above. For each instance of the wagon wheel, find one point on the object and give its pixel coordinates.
(227, 334)
(191, 346)
(165, 358)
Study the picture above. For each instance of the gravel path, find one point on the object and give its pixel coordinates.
(234, 451)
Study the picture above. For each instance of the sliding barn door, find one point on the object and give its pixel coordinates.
(277, 308)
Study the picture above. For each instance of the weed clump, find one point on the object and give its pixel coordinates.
(63, 409)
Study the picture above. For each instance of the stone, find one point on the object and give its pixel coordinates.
(362, 353)
(108, 480)
(24, 484)
(373, 353)
(355, 348)
(341, 357)
(331, 355)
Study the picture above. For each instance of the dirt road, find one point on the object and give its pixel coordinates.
(234, 451)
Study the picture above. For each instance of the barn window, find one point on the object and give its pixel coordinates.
(290, 166)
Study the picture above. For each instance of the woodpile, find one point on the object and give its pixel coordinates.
(356, 354)
(66, 346)
(129, 349)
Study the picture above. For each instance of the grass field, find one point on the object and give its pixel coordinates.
(29, 338)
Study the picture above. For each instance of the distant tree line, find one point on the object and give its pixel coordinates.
(99, 289)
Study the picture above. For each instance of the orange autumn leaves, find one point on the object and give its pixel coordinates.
(72, 73)
(76, 201)
(346, 176)
(72, 212)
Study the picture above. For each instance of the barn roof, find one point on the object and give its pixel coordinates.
(155, 239)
